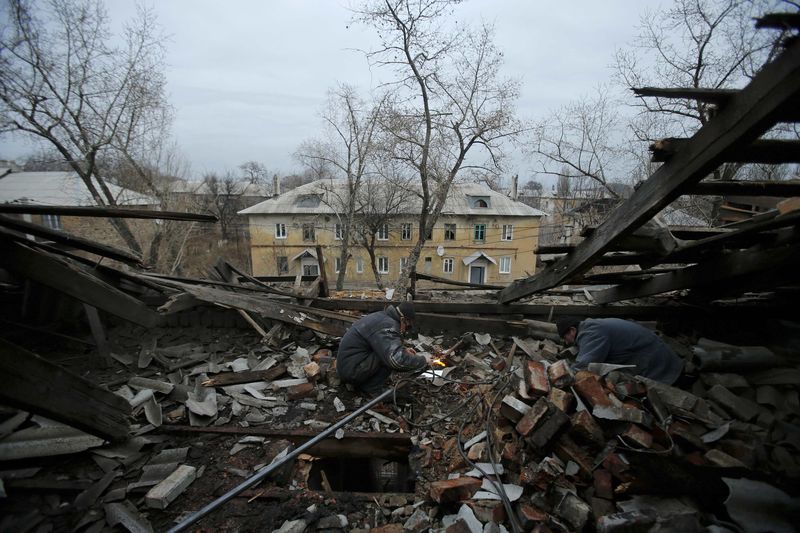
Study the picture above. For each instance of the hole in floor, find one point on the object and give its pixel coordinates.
(361, 474)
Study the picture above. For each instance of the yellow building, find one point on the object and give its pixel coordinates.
(482, 236)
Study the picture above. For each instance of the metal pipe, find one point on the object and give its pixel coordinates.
(264, 472)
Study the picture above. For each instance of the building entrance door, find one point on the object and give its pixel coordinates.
(476, 274)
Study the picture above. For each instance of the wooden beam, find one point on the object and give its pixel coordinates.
(282, 279)
(710, 96)
(71, 279)
(62, 237)
(782, 189)
(779, 21)
(224, 379)
(35, 384)
(446, 281)
(750, 113)
(104, 212)
(722, 270)
(327, 322)
(768, 151)
(458, 324)
(681, 232)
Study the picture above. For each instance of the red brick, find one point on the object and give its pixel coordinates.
(639, 436)
(561, 399)
(388, 528)
(532, 418)
(298, 392)
(499, 364)
(567, 450)
(529, 516)
(489, 511)
(591, 389)
(586, 428)
(513, 409)
(549, 428)
(453, 490)
(459, 526)
(510, 451)
(560, 374)
(617, 466)
(603, 487)
(536, 379)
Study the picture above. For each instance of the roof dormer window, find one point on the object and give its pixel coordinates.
(478, 202)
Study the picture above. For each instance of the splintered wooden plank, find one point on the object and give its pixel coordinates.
(104, 212)
(71, 279)
(748, 114)
(63, 237)
(768, 151)
(709, 96)
(768, 264)
(35, 384)
(747, 188)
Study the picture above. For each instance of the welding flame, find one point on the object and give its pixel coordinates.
(438, 363)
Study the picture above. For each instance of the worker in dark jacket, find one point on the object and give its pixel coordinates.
(373, 347)
(620, 342)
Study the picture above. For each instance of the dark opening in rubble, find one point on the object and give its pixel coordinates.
(362, 474)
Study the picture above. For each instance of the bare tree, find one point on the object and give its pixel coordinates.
(64, 82)
(224, 200)
(348, 148)
(256, 173)
(581, 140)
(380, 198)
(449, 100)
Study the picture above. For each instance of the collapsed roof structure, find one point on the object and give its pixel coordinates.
(217, 399)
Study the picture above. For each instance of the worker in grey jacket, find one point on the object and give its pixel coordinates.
(620, 342)
(373, 347)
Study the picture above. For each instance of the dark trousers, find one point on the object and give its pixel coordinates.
(370, 375)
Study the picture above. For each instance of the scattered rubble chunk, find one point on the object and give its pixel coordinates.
(453, 490)
(160, 496)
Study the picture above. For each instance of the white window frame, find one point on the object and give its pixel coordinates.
(383, 233)
(337, 264)
(359, 265)
(338, 232)
(505, 269)
(508, 232)
(403, 263)
(448, 264)
(383, 264)
(52, 221)
(475, 233)
(405, 231)
(280, 230)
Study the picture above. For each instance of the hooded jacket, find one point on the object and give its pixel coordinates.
(372, 342)
(622, 342)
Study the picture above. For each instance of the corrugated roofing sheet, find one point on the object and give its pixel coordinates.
(60, 188)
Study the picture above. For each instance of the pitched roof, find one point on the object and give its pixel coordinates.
(60, 188)
(317, 197)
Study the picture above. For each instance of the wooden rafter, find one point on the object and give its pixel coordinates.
(748, 114)
(768, 151)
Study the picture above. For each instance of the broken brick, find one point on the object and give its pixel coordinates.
(489, 510)
(529, 516)
(312, 370)
(532, 418)
(561, 399)
(298, 392)
(568, 450)
(623, 414)
(547, 430)
(536, 378)
(560, 374)
(499, 364)
(586, 428)
(591, 389)
(513, 408)
(453, 490)
(618, 466)
(603, 486)
(510, 451)
(639, 436)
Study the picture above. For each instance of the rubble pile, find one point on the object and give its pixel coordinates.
(506, 436)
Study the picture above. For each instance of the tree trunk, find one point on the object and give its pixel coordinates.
(371, 252)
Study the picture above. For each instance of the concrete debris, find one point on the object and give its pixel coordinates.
(160, 496)
(126, 515)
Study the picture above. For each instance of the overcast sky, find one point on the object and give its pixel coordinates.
(248, 78)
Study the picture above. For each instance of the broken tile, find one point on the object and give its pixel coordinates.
(160, 496)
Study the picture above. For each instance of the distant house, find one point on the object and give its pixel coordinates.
(482, 236)
(67, 189)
